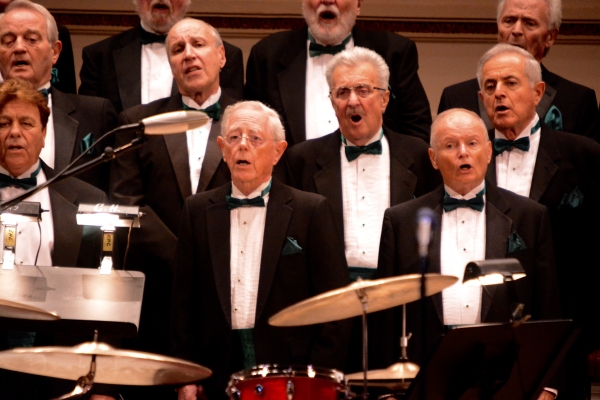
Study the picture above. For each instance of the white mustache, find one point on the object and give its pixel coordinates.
(350, 111)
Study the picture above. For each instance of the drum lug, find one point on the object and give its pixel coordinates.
(258, 389)
(290, 390)
(234, 393)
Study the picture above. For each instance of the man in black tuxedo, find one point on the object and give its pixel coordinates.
(393, 168)
(160, 175)
(286, 71)
(533, 25)
(132, 67)
(28, 50)
(247, 250)
(57, 239)
(556, 169)
(476, 220)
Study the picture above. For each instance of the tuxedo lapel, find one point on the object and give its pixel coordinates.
(65, 130)
(292, 86)
(178, 152)
(546, 101)
(279, 214)
(218, 222)
(328, 180)
(213, 154)
(497, 231)
(128, 65)
(545, 166)
(402, 181)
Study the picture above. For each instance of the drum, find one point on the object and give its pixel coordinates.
(276, 382)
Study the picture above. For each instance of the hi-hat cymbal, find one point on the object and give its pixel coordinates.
(118, 367)
(11, 309)
(395, 372)
(344, 303)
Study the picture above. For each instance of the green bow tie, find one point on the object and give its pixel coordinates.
(257, 201)
(315, 49)
(501, 145)
(45, 92)
(24, 183)
(213, 111)
(451, 204)
(352, 152)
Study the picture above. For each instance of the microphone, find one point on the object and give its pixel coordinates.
(173, 122)
(425, 221)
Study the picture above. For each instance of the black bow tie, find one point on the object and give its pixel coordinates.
(213, 111)
(149, 37)
(352, 152)
(315, 49)
(45, 92)
(232, 202)
(501, 145)
(451, 204)
(24, 183)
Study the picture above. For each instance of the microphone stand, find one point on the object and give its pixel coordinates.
(108, 155)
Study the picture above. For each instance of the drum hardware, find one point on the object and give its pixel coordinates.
(372, 295)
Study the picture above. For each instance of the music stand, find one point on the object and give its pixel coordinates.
(494, 361)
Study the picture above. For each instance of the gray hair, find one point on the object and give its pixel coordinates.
(213, 32)
(272, 118)
(356, 56)
(28, 5)
(532, 69)
(554, 13)
(446, 115)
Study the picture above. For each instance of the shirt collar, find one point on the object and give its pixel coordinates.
(375, 138)
(46, 85)
(235, 192)
(26, 174)
(467, 196)
(212, 99)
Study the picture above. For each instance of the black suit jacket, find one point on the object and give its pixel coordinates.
(65, 63)
(568, 165)
(75, 117)
(314, 166)
(276, 75)
(576, 103)
(157, 177)
(112, 69)
(506, 213)
(201, 290)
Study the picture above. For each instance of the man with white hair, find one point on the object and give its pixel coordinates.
(246, 251)
(287, 71)
(556, 169)
(29, 47)
(132, 67)
(533, 25)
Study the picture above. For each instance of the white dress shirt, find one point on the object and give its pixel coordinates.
(319, 115)
(366, 196)
(30, 235)
(47, 154)
(157, 78)
(463, 241)
(514, 168)
(197, 139)
(247, 232)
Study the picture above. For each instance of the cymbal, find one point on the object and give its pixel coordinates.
(11, 309)
(113, 366)
(398, 371)
(344, 303)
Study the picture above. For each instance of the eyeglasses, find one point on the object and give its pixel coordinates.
(361, 90)
(253, 140)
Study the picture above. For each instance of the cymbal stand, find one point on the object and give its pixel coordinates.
(364, 299)
(406, 365)
(84, 383)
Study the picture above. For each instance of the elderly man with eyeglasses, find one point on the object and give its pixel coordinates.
(362, 168)
(246, 251)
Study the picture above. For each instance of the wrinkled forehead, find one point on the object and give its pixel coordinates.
(345, 75)
(509, 63)
(250, 121)
(24, 19)
(190, 31)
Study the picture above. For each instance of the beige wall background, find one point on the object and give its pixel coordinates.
(444, 58)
